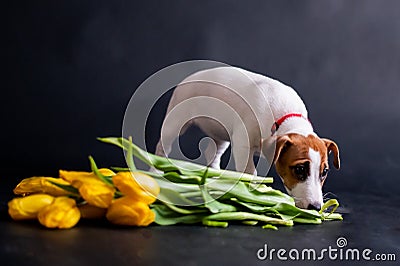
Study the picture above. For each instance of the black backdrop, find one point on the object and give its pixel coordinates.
(70, 68)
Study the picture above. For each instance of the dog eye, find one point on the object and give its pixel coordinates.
(324, 172)
(301, 172)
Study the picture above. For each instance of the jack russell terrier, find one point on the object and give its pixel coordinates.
(257, 115)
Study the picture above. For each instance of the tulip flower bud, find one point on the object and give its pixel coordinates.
(28, 207)
(91, 188)
(97, 194)
(129, 211)
(41, 185)
(137, 185)
(61, 213)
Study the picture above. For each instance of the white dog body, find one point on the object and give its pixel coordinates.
(238, 107)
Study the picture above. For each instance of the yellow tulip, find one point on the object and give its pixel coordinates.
(97, 194)
(91, 188)
(137, 185)
(61, 213)
(79, 175)
(28, 207)
(92, 212)
(129, 211)
(41, 185)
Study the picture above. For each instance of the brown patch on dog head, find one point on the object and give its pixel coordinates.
(292, 150)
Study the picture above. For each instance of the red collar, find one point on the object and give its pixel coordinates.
(279, 122)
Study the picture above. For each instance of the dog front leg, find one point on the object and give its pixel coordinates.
(243, 154)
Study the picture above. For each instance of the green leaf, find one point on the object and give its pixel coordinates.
(194, 210)
(165, 210)
(67, 188)
(284, 210)
(290, 209)
(170, 217)
(173, 197)
(120, 169)
(257, 208)
(177, 187)
(177, 178)
(241, 191)
(213, 205)
(112, 140)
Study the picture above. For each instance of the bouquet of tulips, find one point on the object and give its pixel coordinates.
(180, 192)
(123, 198)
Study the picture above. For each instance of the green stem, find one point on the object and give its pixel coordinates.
(215, 223)
(97, 172)
(129, 155)
(329, 203)
(307, 221)
(269, 226)
(74, 191)
(224, 216)
(182, 210)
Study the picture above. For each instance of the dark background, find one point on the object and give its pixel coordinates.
(70, 68)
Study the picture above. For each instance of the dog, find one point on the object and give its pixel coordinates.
(256, 115)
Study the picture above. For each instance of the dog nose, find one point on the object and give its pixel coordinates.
(314, 206)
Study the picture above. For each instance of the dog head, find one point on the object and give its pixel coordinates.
(302, 164)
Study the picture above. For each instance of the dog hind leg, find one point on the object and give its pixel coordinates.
(215, 149)
(169, 133)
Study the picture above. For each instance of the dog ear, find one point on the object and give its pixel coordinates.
(332, 146)
(273, 147)
(281, 144)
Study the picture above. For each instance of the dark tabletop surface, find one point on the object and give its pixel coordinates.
(369, 222)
